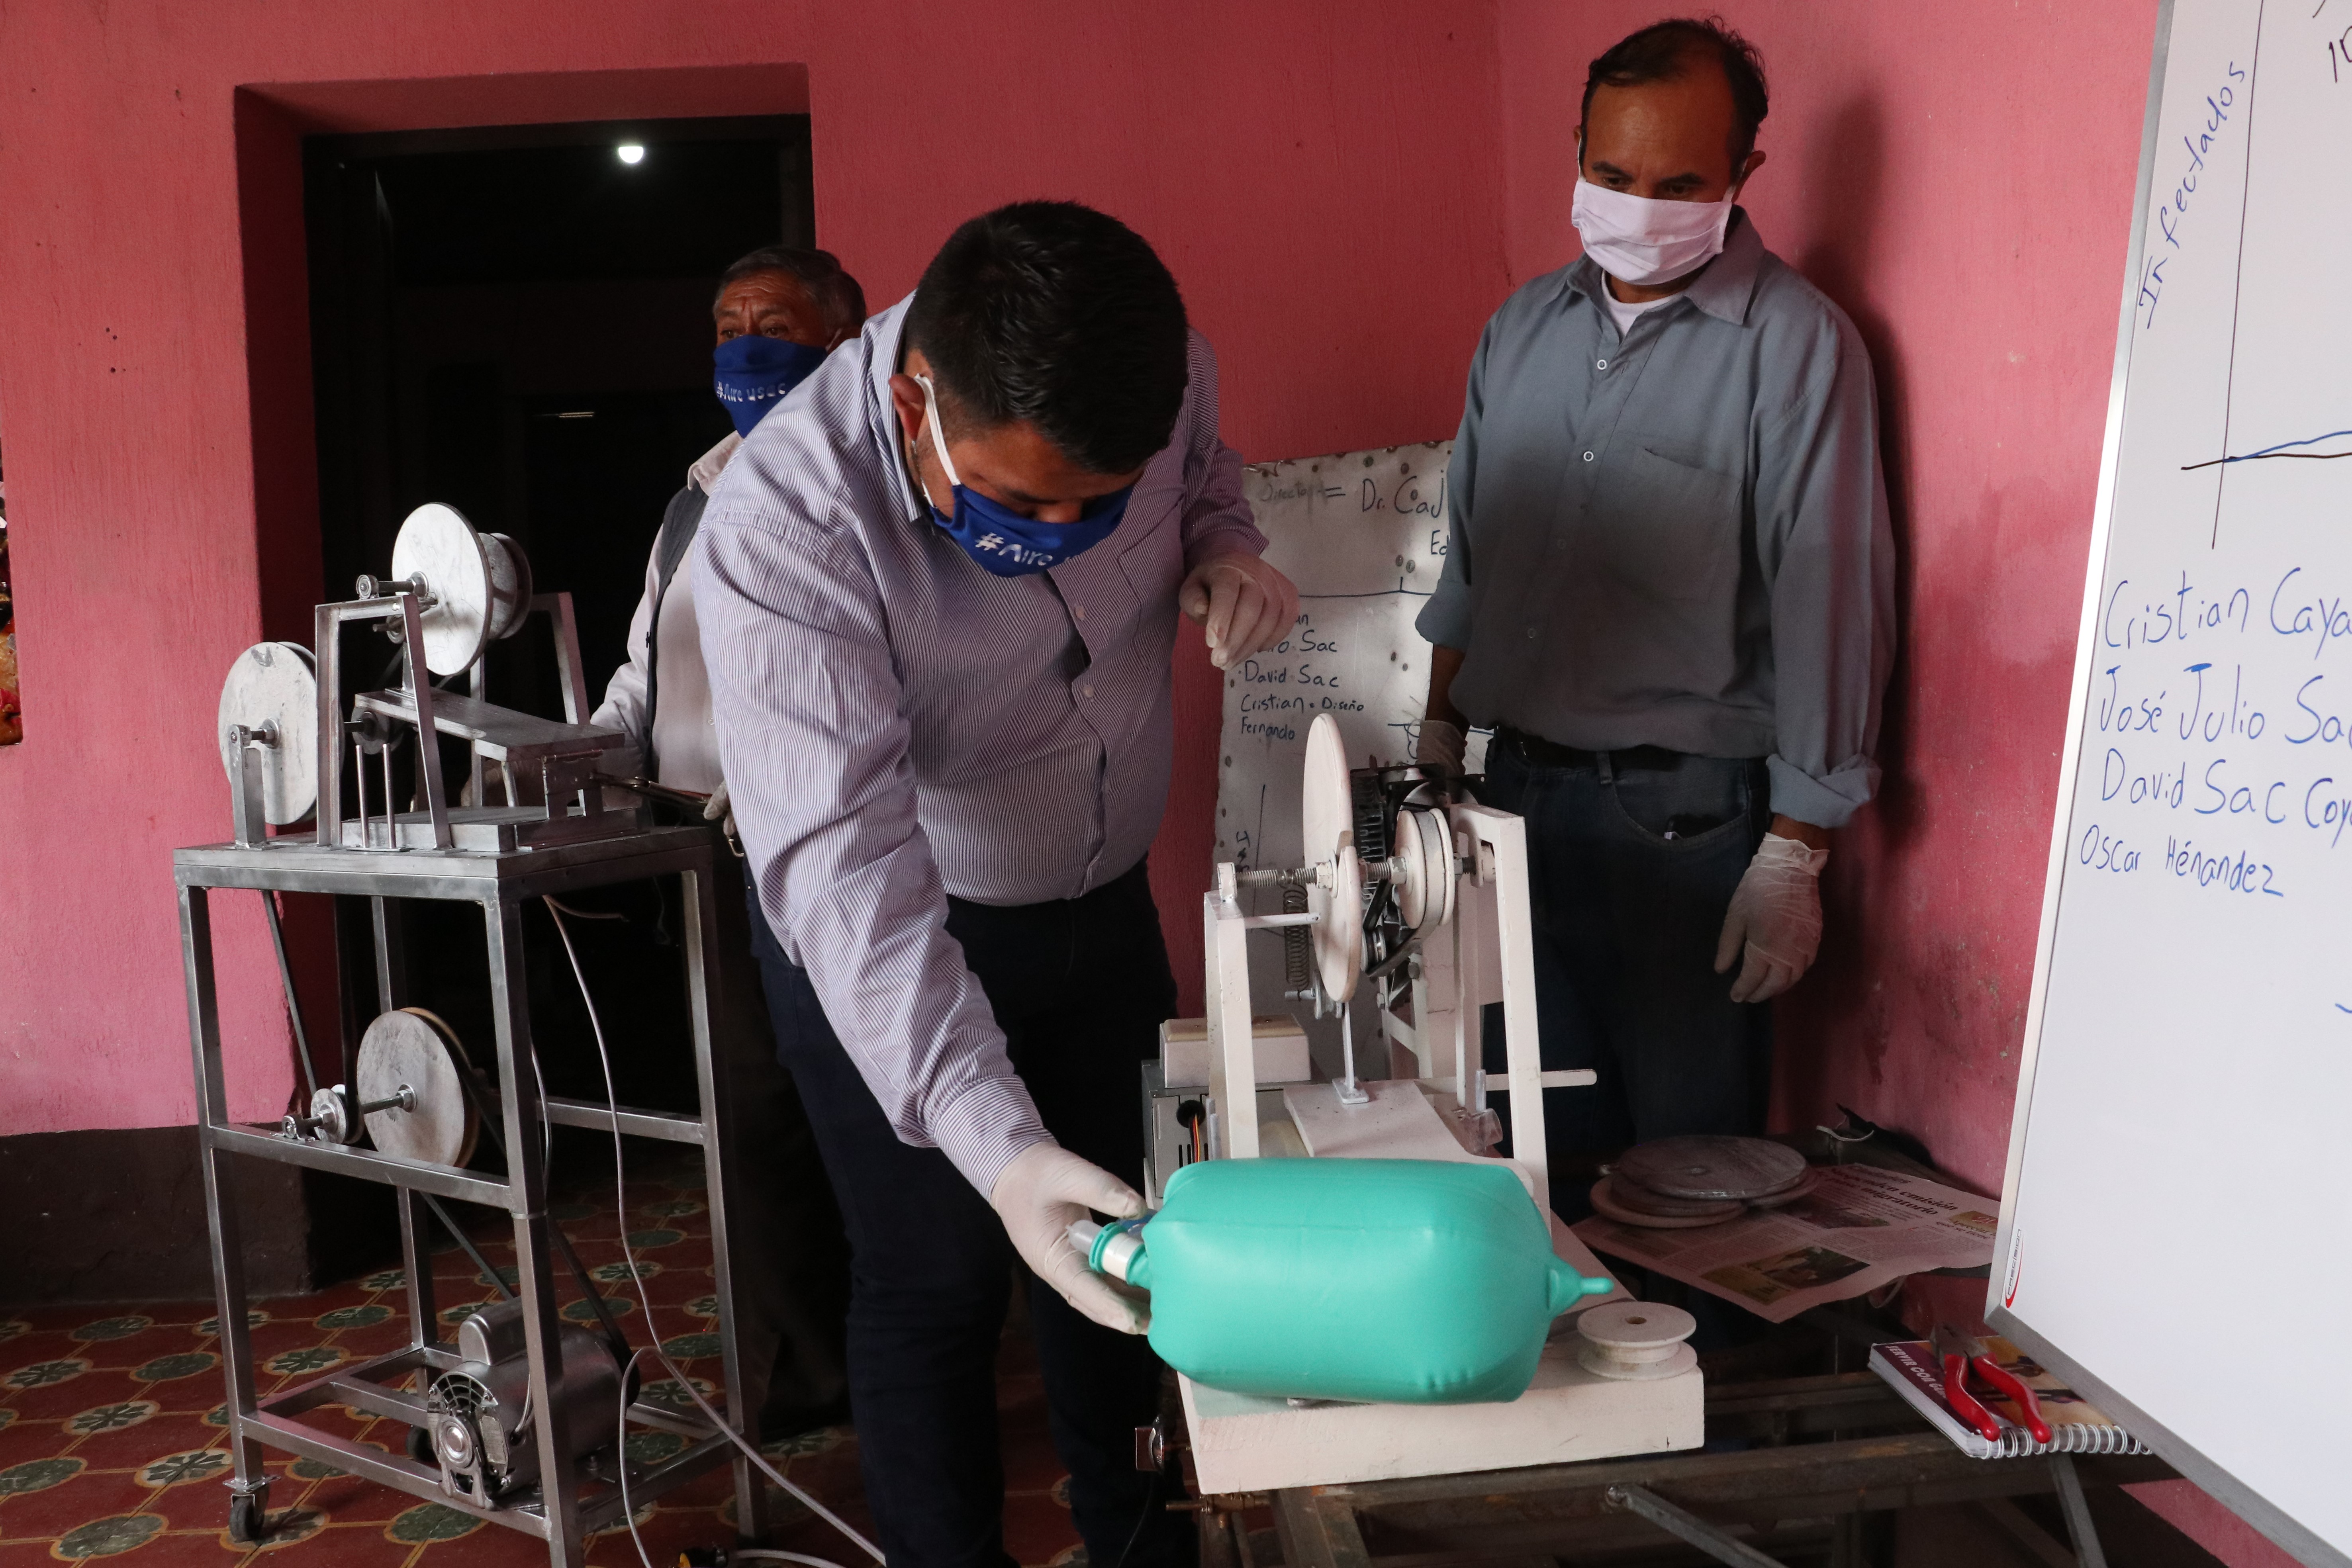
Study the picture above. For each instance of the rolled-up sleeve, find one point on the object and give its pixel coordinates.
(815, 744)
(1446, 619)
(1827, 549)
(1217, 516)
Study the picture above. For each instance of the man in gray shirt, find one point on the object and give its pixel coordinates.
(1671, 592)
(938, 589)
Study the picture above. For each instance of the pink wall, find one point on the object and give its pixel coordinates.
(1302, 175)
(1344, 193)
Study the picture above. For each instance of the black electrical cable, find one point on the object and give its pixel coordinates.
(293, 1003)
(480, 1262)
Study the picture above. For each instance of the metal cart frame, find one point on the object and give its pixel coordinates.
(1791, 1493)
(555, 1510)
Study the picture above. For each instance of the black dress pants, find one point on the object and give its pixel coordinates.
(1080, 987)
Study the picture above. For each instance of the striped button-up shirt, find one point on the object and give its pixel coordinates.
(897, 725)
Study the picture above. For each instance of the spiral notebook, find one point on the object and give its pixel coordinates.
(2076, 1426)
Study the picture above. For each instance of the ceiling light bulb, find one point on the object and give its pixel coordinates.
(630, 152)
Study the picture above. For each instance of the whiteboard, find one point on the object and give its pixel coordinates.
(1364, 535)
(2179, 1155)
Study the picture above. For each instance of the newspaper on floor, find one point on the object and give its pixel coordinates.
(1859, 1228)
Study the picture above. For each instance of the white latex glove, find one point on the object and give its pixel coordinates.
(718, 808)
(1245, 605)
(1440, 745)
(1776, 914)
(1038, 1196)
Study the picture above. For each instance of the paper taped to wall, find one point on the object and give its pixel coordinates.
(1364, 535)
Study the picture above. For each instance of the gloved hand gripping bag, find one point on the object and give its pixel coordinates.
(1410, 1281)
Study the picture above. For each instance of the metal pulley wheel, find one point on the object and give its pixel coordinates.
(478, 585)
(413, 1050)
(1328, 832)
(1423, 855)
(272, 690)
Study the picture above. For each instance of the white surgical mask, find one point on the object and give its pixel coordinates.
(1644, 241)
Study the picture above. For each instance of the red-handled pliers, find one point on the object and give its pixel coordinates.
(1960, 1353)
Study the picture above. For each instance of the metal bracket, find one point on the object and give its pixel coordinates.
(245, 784)
(1680, 1521)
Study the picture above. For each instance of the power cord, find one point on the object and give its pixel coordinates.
(621, 1204)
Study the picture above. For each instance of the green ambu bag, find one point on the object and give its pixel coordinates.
(1412, 1281)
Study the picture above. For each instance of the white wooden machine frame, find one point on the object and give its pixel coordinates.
(1460, 869)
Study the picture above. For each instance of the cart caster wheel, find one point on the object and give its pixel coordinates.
(247, 1512)
(420, 1446)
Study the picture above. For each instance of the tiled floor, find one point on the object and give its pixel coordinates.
(112, 1441)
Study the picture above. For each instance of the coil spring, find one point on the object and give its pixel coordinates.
(1297, 959)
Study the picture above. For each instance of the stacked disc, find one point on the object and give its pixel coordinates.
(1676, 1183)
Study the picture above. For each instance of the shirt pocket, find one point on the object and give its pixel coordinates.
(1671, 523)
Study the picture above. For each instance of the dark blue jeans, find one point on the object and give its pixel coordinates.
(1080, 988)
(1626, 922)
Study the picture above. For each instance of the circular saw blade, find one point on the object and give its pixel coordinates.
(438, 541)
(272, 684)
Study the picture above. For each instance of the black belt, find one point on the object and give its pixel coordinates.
(1546, 753)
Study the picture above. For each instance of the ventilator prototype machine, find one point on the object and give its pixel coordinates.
(527, 1411)
(1420, 899)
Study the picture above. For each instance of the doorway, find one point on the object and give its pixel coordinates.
(516, 322)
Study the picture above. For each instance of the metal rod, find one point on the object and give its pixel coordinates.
(367, 1165)
(1688, 1526)
(391, 808)
(496, 1280)
(2084, 1534)
(662, 1125)
(293, 1003)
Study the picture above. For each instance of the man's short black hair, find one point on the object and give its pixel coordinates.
(836, 293)
(1060, 315)
(1664, 50)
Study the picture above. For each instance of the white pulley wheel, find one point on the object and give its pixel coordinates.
(1636, 1341)
(509, 584)
(438, 543)
(412, 1048)
(1327, 819)
(1426, 888)
(272, 689)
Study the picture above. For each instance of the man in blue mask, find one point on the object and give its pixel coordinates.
(778, 311)
(940, 589)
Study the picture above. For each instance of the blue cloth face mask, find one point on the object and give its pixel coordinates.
(1003, 541)
(752, 373)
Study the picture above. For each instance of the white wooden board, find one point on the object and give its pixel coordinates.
(1364, 535)
(2187, 1087)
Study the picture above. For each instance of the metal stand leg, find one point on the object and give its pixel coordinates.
(2077, 1510)
(702, 983)
(250, 1487)
(526, 1144)
(1318, 1530)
